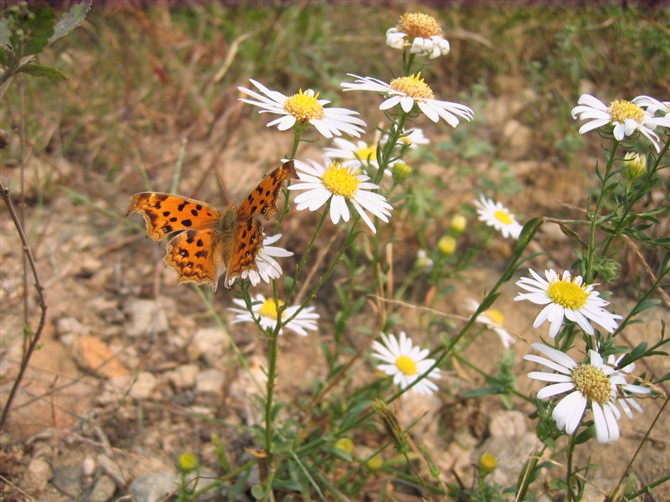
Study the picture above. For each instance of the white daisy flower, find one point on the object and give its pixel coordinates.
(594, 383)
(421, 33)
(265, 310)
(409, 139)
(566, 297)
(625, 116)
(356, 154)
(493, 319)
(626, 390)
(495, 215)
(268, 268)
(411, 92)
(304, 108)
(341, 184)
(405, 363)
(652, 105)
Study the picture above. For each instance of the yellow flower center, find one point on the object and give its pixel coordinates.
(568, 294)
(304, 106)
(503, 217)
(417, 24)
(413, 86)
(621, 110)
(406, 365)
(338, 180)
(367, 153)
(269, 308)
(496, 316)
(592, 383)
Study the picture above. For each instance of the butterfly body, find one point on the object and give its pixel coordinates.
(207, 241)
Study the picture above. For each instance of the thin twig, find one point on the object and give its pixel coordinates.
(41, 301)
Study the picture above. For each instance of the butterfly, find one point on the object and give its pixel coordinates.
(206, 242)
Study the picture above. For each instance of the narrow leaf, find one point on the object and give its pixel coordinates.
(70, 20)
(40, 70)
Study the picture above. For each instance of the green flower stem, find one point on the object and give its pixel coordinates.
(407, 62)
(225, 477)
(272, 376)
(326, 275)
(622, 218)
(568, 474)
(491, 378)
(384, 154)
(530, 229)
(526, 476)
(600, 202)
(643, 298)
(297, 135)
(303, 259)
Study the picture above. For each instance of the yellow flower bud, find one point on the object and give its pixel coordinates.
(375, 463)
(458, 223)
(446, 245)
(401, 171)
(635, 165)
(187, 462)
(487, 463)
(345, 444)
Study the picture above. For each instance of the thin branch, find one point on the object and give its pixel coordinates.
(41, 301)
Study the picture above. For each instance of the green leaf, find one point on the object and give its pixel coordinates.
(585, 435)
(40, 70)
(36, 30)
(257, 491)
(71, 19)
(353, 414)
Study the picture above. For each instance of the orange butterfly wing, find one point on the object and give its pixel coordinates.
(263, 198)
(165, 213)
(248, 238)
(196, 251)
(197, 256)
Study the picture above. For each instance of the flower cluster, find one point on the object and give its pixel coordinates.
(596, 384)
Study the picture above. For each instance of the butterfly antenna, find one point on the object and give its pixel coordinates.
(226, 197)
